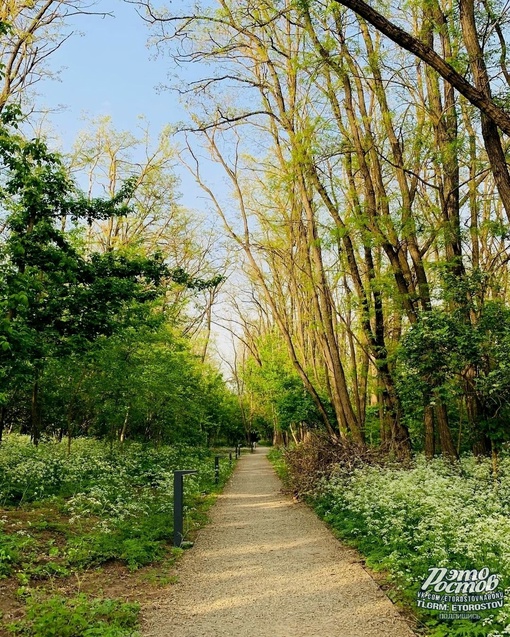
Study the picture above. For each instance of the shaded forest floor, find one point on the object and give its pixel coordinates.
(86, 537)
(112, 580)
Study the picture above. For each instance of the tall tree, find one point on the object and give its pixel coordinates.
(30, 32)
(493, 116)
(53, 297)
(350, 171)
(156, 221)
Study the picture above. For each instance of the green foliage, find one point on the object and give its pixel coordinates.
(78, 616)
(84, 338)
(276, 457)
(145, 382)
(52, 297)
(67, 512)
(280, 393)
(92, 478)
(183, 278)
(434, 514)
(12, 548)
(462, 352)
(117, 502)
(132, 545)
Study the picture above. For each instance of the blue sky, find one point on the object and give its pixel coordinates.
(108, 70)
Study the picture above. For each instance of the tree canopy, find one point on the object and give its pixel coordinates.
(365, 224)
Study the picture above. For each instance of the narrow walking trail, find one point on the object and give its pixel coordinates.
(268, 567)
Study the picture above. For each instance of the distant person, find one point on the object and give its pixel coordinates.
(254, 438)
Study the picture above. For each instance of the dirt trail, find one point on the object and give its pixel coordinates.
(268, 567)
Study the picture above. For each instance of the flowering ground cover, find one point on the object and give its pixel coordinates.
(435, 514)
(64, 516)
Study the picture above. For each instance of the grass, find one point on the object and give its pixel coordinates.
(276, 457)
(98, 511)
(79, 616)
(406, 521)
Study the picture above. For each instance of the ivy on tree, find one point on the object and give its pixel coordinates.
(462, 352)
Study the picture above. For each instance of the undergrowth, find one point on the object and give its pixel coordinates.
(407, 519)
(79, 616)
(64, 513)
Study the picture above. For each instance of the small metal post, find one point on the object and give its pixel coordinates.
(216, 469)
(179, 504)
(230, 458)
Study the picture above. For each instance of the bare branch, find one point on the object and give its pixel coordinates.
(430, 57)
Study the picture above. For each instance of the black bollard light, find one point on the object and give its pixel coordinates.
(216, 469)
(179, 504)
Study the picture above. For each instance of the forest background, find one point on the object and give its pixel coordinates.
(352, 244)
(361, 256)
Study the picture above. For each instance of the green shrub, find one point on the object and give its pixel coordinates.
(12, 547)
(98, 548)
(275, 456)
(111, 503)
(78, 617)
(98, 480)
(434, 514)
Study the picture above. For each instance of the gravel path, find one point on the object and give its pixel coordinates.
(268, 567)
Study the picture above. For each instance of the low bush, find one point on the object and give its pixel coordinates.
(405, 520)
(66, 512)
(307, 463)
(78, 616)
(12, 548)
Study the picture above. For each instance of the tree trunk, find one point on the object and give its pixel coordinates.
(428, 424)
(35, 414)
(408, 42)
(445, 435)
(399, 440)
(445, 126)
(490, 132)
(123, 431)
(481, 443)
